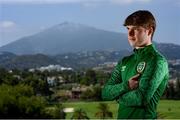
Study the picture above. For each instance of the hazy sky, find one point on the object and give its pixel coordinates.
(20, 18)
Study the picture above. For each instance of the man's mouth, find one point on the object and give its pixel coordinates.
(132, 39)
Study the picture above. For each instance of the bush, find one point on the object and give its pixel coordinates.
(19, 102)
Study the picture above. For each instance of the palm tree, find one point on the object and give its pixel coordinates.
(79, 114)
(58, 112)
(103, 112)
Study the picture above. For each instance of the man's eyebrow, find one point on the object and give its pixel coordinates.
(133, 27)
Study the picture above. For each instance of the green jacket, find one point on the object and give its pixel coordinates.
(141, 102)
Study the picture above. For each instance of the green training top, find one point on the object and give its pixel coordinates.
(142, 101)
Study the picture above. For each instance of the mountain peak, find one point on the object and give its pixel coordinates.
(68, 37)
(69, 26)
(65, 23)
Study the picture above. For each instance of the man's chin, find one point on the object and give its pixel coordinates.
(132, 45)
(135, 46)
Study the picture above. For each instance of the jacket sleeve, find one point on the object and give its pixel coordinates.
(114, 86)
(150, 80)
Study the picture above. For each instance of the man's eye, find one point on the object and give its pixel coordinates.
(136, 28)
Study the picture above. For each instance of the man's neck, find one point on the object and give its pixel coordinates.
(139, 47)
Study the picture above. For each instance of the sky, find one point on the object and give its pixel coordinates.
(20, 18)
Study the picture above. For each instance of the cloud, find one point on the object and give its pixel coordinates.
(7, 24)
(45, 1)
(7, 28)
(70, 1)
(91, 5)
(122, 2)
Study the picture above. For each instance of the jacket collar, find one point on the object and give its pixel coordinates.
(143, 51)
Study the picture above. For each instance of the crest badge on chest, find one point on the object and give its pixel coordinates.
(140, 67)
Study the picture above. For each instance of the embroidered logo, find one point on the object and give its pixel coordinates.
(123, 68)
(140, 67)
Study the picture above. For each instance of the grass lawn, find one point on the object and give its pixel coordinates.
(90, 108)
(169, 109)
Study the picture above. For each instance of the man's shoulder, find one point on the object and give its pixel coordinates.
(159, 57)
(126, 58)
(156, 58)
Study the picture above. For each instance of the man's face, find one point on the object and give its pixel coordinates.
(138, 36)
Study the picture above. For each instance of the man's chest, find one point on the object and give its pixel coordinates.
(132, 67)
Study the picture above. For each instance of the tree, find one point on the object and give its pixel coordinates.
(39, 85)
(102, 77)
(178, 86)
(58, 112)
(89, 78)
(104, 111)
(79, 114)
(19, 102)
(97, 92)
(88, 94)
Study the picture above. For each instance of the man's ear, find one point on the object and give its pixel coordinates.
(150, 32)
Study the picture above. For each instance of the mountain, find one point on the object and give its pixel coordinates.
(12, 61)
(74, 60)
(169, 50)
(6, 56)
(89, 59)
(77, 60)
(68, 37)
(72, 45)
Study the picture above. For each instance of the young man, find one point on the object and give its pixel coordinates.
(139, 80)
